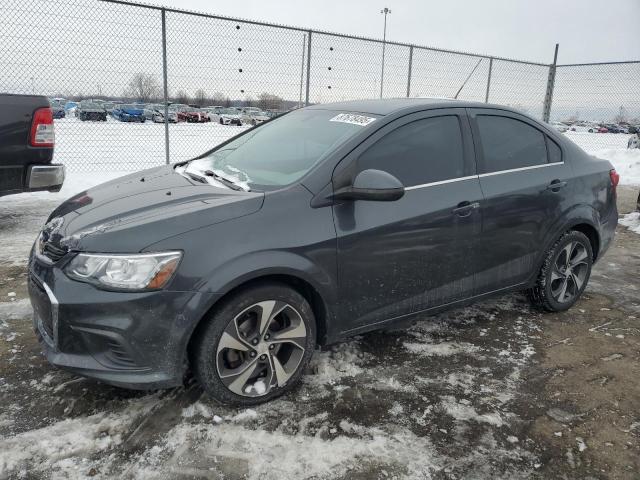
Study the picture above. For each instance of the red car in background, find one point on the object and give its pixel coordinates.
(603, 130)
(190, 114)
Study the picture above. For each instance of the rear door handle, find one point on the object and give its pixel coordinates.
(556, 185)
(465, 208)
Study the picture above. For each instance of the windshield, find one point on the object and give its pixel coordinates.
(283, 150)
(129, 107)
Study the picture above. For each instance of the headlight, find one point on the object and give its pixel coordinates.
(145, 271)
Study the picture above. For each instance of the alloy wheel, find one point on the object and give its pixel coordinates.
(569, 272)
(261, 348)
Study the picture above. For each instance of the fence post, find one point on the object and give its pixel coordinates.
(304, 52)
(306, 100)
(486, 97)
(548, 98)
(165, 86)
(409, 74)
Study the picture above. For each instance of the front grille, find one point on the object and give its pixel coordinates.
(53, 252)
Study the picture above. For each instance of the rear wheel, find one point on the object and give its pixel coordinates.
(255, 346)
(564, 274)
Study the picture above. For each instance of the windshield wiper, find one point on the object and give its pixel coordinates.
(196, 177)
(223, 180)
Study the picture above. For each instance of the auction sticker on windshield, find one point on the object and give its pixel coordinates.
(352, 118)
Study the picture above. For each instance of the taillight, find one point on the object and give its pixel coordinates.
(615, 178)
(42, 128)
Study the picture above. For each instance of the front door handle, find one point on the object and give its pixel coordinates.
(556, 185)
(465, 208)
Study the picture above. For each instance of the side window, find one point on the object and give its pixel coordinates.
(555, 153)
(420, 152)
(509, 143)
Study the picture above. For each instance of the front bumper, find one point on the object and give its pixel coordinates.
(45, 177)
(133, 340)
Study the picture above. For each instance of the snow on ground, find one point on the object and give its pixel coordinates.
(631, 221)
(367, 408)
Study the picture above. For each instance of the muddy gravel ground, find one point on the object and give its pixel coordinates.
(496, 390)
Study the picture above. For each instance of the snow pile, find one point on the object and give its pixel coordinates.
(463, 410)
(442, 349)
(50, 447)
(261, 454)
(631, 221)
(626, 163)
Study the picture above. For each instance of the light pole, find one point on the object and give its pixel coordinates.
(386, 11)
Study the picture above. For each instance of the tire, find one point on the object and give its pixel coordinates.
(254, 373)
(572, 248)
(221, 122)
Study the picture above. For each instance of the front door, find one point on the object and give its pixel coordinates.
(400, 257)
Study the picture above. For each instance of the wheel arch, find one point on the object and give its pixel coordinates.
(296, 281)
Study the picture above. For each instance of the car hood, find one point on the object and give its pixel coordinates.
(135, 211)
(92, 110)
(132, 111)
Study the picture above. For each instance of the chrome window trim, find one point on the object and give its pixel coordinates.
(482, 175)
(521, 169)
(441, 182)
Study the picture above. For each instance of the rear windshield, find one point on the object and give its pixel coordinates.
(283, 150)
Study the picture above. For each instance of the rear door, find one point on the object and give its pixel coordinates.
(401, 257)
(525, 183)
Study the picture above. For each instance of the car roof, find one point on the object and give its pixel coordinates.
(393, 105)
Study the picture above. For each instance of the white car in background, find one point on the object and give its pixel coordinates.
(229, 116)
(253, 116)
(584, 127)
(559, 126)
(213, 113)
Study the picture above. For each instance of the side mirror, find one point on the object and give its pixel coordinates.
(373, 185)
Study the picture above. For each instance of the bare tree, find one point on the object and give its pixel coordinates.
(200, 98)
(143, 87)
(219, 99)
(268, 101)
(182, 97)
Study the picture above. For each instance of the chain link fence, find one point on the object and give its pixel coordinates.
(116, 53)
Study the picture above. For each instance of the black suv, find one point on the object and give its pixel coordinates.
(322, 223)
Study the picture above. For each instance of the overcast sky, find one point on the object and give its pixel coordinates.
(587, 30)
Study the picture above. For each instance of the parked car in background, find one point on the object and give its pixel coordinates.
(559, 126)
(58, 111)
(91, 110)
(213, 113)
(327, 222)
(26, 146)
(583, 127)
(602, 129)
(128, 113)
(253, 116)
(158, 114)
(230, 116)
(612, 128)
(634, 128)
(191, 114)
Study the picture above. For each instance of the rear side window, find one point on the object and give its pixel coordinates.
(555, 153)
(508, 143)
(420, 152)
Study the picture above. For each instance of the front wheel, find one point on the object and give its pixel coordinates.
(564, 273)
(255, 346)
